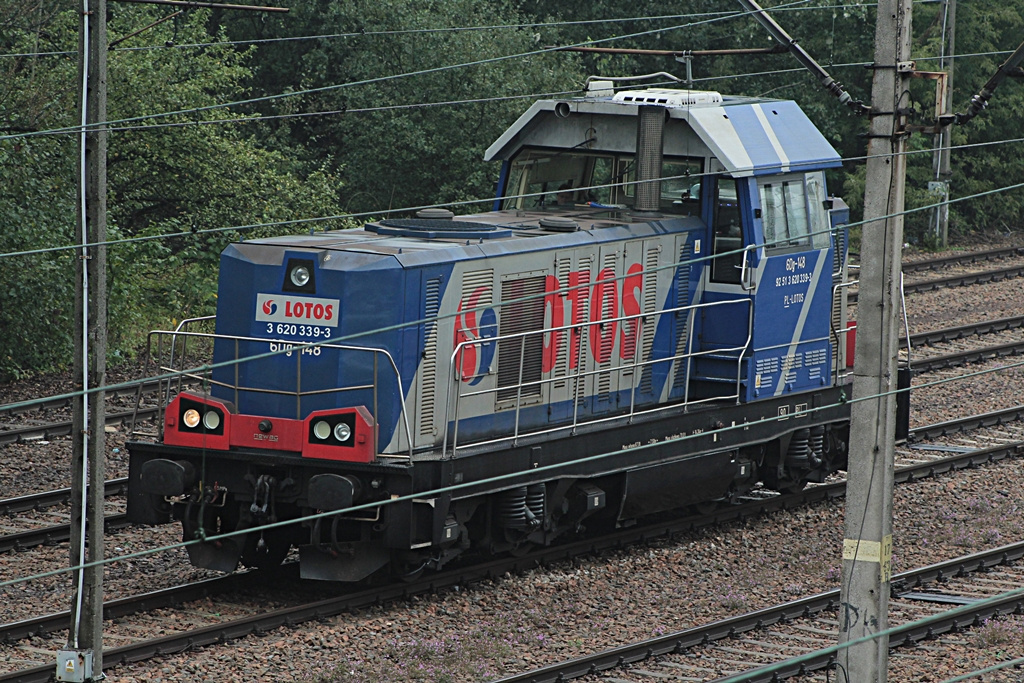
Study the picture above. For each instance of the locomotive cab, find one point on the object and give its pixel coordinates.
(752, 171)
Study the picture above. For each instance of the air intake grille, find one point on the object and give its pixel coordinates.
(432, 305)
(516, 317)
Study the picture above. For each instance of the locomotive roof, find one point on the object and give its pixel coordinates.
(749, 136)
(513, 232)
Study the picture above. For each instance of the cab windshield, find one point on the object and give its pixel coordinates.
(543, 179)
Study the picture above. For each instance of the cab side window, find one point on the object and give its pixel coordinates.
(727, 233)
(792, 211)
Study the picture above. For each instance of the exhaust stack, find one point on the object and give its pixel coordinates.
(650, 133)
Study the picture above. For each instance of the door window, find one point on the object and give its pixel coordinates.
(727, 233)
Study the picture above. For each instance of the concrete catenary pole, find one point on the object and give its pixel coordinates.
(867, 544)
(88, 467)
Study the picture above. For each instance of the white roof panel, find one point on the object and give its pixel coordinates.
(748, 136)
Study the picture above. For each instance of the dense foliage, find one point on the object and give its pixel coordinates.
(356, 121)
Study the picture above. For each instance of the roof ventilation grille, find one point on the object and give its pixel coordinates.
(667, 97)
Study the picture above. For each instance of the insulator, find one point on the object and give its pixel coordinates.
(512, 508)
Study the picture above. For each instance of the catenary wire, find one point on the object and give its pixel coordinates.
(457, 487)
(466, 202)
(399, 326)
(447, 29)
(242, 119)
(378, 79)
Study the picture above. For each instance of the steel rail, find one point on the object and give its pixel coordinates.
(133, 604)
(49, 431)
(962, 259)
(959, 358)
(962, 331)
(39, 501)
(963, 280)
(150, 387)
(964, 424)
(680, 641)
(53, 534)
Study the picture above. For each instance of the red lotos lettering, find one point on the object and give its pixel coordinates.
(604, 306)
(554, 315)
(318, 311)
(579, 290)
(632, 291)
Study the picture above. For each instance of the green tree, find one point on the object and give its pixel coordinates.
(411, 154)
(195, 176)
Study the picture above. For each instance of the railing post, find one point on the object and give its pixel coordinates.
(689, 359)
(237, 378)
(576, 380)
(519, 389)
(376, 418)
(640, 319)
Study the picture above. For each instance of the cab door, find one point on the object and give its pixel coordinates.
(720, 369)
(792, 322)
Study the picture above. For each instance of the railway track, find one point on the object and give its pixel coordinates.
(766, 645)
(949, 334)
(51, 430)
(1014, 346)
(40, 501)
(58, 402)
(962, 259)
(960, 280)
(324, 609)
(320, 608)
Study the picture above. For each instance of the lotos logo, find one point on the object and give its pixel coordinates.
(303, 310)
(608, 298)
(474, 360)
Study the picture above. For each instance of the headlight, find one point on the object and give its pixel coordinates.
(300, 276)
(321, 430)
(191, 418)
(342, 431)
(211, 419)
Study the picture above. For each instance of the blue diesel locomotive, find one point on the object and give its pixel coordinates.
(661, 282)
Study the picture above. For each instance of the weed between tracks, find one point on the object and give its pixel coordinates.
(998, 632)
(973, 524)
(469, 656)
